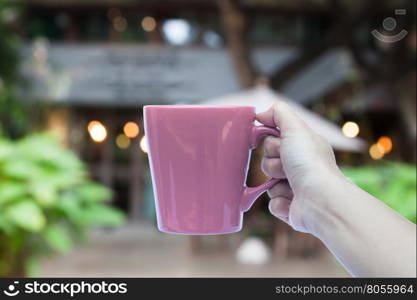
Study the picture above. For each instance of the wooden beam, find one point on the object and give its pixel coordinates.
(236, 28)
(136, 184)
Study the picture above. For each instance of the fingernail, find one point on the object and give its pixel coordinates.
(273, 207)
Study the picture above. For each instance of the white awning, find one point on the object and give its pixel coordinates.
(263, 98)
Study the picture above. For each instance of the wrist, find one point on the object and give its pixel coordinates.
(324, 201)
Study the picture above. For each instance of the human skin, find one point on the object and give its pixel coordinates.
(367, 237)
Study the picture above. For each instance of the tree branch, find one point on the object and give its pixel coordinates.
(340, 33)
(235, 25)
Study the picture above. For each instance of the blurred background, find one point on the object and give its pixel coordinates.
(75, 191)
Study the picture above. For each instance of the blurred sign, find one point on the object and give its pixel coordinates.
(128, 75)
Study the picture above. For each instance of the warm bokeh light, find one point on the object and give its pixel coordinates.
(350, 129)
(119, 24)
(376, 151)
(122, 141)
(386, 143)
(144, 144)
(92, 124)
(131, 129)
(97, 131)
(148, 24)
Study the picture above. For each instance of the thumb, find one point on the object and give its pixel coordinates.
(282, 116)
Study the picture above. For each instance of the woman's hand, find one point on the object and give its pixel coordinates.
(305, 162)
(367, 237)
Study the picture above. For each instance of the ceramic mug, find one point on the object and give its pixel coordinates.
(199, 157)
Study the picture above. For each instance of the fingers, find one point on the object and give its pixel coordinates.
(281, 189)
(273, 167)
(280, 208)
(282, 116)
(281, 197)
(267, 117)
(271, 146)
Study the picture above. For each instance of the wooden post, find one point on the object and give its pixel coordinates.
(59, 122)
(236, 28)
(155, 36)
(136, 179)
(107, 152)
(72, 30)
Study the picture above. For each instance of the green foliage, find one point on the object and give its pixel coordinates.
(9, 46)
(14, 116)
(46, 200)
(392, 183)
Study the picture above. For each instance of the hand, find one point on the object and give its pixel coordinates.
(315, 197)
(305, 162)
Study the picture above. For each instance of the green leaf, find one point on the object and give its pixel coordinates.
(19, 168)
(45, 148)
(32, 266)
(57, 238)
(43, 192)
(26, 215)
(101, 215)
(92, 192)
(6, 226)
(39, 178)
(392, 183)
(5, 149)
(11, 191)
(69, 204)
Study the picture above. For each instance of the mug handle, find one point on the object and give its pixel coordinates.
(250, 194)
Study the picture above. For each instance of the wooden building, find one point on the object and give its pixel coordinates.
(103, 60)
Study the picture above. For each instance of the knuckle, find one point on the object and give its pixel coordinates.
(266, 165)
(271, 146)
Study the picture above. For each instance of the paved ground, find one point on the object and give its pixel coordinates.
(141, 251)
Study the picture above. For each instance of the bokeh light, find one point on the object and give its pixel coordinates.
(97, 131)
(148, 23)
(144, 144)
(212, 39)
(177, 31)
(119, 24)
(350, 129)
(131, 129)
(376, 151)
(386, 143)
(122, 141)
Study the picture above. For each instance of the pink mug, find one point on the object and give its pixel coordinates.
(199, 158)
